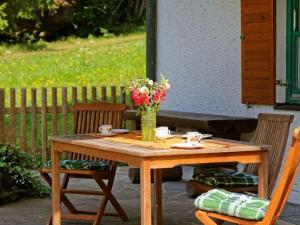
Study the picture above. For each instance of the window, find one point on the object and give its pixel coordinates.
(293, 51)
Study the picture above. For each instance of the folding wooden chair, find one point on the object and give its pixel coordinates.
(273, 130)
(279, 198)
(86, 119)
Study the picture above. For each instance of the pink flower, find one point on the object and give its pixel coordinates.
(146, 93)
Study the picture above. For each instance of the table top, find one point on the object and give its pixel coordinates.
(131, 144)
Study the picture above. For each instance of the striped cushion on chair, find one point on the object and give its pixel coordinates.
(232, 204)
(219, 177)
(80, 165)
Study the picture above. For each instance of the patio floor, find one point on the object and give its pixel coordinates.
(178, 209)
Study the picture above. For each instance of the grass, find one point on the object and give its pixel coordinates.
(71, 62)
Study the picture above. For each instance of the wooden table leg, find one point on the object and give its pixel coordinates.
(145, 177)
(158, 197)
(263, 173)
(56, 213)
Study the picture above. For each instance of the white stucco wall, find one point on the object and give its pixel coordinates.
(199, 52)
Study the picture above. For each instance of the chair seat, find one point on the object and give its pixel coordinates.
(81, 165)
(225, 178)
(233, 204)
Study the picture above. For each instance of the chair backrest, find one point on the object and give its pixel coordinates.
(286, 181)
(88, 117)
(273, 130)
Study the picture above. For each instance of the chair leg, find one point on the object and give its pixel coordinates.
(109, 197)
(49, 222)
(101, 211)
(63, 197)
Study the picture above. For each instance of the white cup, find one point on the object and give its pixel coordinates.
(193, 137)
(105, 129)
(162, 133)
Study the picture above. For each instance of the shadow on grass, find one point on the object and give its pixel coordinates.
(36, 46)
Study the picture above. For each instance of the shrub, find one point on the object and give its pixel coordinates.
(17, 175)
(3, 21)
(90, 17)
(31, 20)
(23, 18)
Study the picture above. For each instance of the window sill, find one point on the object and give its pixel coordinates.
(287, 106)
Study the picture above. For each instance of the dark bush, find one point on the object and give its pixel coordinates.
(18, 175)
(24, 18)
(31, 20)
(113, 15)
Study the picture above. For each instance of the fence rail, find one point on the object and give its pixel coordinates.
(36, 117)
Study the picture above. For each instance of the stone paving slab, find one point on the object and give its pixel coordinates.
(178, 209)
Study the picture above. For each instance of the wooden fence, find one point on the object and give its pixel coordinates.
(44, 112)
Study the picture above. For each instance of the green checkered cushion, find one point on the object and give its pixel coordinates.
(80, 165)
(221, 178)
(232, 204)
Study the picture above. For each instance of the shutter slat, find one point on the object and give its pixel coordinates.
(258, 83)
(258, 51)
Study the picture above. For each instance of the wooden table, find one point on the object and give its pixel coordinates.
(128, 148)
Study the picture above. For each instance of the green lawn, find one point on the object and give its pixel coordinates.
(73, 62)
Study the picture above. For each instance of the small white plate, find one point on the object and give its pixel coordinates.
(204, 136)
(120, 131)
(167, 137)
(187, 146)
(170, 136)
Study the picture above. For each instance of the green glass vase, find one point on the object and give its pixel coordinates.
(148, 124)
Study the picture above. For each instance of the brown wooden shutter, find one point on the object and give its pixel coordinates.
(258, 51)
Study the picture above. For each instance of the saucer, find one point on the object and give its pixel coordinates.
(204, 136)
(120, 131)
(166, 137)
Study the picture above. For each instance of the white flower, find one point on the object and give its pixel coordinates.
(144, 90)
(150, 82)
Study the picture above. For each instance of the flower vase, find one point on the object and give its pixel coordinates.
(148, 124)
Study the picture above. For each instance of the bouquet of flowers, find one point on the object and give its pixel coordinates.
(148, 95)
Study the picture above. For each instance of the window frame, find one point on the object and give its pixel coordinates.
(291, 54)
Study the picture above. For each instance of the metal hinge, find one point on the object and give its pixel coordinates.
(250, 106)
(242, 37)
(282, 83)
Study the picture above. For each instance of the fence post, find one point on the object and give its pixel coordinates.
(12, 113)
(74, 101)
(2, 116)
(74, 95)
(122, 95)
(23, 119)
(33, 121)
(103, 94)
(84, 95)
(44, 124)
(94, 94)
(113, 94)
(64, 110)
(54, 110)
